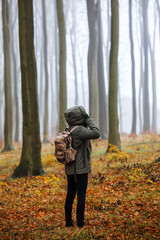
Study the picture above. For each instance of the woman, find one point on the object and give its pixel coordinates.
(77, 171)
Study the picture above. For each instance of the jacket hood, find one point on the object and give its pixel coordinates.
(75, 116)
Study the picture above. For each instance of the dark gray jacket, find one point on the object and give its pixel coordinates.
(80, 139)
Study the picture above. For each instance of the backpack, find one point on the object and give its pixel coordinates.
(63, 147)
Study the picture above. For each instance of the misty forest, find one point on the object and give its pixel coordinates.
(103, 55)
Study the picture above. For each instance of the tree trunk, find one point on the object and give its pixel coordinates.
(101, 80)
(45, 49)
(73, 39)
(134, 113)
(30, 163)
(158, 9)
(154, 93)
(8, 141)
(92, 60)
(82, 78)
(14, 71)
(107, 52)
(141, 70)
(120, 110)
(16, 96)
(56, 65)
(146, 110)
(73, 44)
(41, 95)
(1, 114)
(62, 65)
(114, 138)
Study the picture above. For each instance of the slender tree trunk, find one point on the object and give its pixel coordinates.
(146, 109)
(41, 95)
(108, 38)
(108, 51)
(56, 63)
(14, 72)
(101, 80)
(1, 114)
(62, 65)
(73, 38)
(158, 9)
(53, 112)
(8, 141)
(140, 96)
(16, 96)
(120, 109)
(82, 78)
(154, 93)
(141, 69)
(45, 48)
(134, 113)
(92, 60)
(30, 163)
(73, 44)
(114, 138)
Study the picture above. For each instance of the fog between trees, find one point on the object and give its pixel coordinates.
(73, 42)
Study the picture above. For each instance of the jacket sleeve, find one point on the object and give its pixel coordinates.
(91, 133)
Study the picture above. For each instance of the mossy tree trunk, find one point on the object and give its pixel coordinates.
(62, 65)
(114, 138)
(30, 163)
(8, 141)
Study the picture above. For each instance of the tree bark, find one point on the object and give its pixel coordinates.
(114, 138)
(16, 96)
(8, 141)
(141, 70)
(56, 64)
(73, 44)
(92, 60)
(146, 108)
(62, 65)
(158, 9)
(154, 93)
(82, 78)
(30, 163)
(1, 114)
(14, 71)
(46, 93)
(134, 112)
(101, 80)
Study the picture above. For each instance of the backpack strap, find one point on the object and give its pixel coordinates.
(70, 135)
(73, 129)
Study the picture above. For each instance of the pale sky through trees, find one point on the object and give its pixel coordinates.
(124, 52)
(80, 15)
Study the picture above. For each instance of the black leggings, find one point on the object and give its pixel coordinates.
(79, 187)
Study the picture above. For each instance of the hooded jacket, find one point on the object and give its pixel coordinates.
(75, 116)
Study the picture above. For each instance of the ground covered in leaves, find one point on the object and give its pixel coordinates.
(123, 197)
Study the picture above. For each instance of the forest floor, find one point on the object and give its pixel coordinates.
(123, 197)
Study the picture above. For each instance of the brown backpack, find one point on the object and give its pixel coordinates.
(63, 147)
